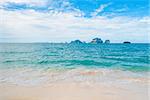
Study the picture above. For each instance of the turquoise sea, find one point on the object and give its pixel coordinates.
(128, 58)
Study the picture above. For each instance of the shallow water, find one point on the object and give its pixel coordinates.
(31, 63)
(133, 57)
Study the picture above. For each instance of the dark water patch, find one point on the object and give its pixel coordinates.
(14, 52)
(78, 63)
(48, 55)
(136, 68)
(128, 59)
(12, 61)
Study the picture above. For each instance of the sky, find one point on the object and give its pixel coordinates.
(67, 20)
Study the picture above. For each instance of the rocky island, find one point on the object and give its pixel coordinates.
(107, 41)
(96, 41)
(127, 42)
(76, 42)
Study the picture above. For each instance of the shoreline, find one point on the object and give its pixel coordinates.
(76, 84)
(35, 77)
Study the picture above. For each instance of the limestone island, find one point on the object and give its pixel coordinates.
(94, 41)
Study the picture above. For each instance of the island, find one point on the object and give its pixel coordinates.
(127, 42)
(76, 42)
(97, 41)
(94, 41)
(107, 41)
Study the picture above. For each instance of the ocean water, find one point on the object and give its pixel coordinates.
(39, 59)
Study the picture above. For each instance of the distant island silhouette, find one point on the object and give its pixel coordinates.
(126, 42)
(96, 41)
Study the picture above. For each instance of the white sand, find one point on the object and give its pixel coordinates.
(72, 85)
(73, 91)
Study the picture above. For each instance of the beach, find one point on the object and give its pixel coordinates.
(87, 87)
(72, 91)
(74, 71)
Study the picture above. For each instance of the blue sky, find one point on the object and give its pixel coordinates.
(66, 20)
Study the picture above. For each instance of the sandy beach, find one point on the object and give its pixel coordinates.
(75, 91)
(76, 84)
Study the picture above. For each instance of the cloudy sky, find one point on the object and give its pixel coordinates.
(66, 20)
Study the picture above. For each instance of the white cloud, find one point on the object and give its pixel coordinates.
(58, 26)
(39, 2)
(31, 26)
(29, 3)
(51, 6)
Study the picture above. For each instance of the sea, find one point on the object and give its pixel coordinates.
(45, 63)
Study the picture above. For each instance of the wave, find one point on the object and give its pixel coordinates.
(30, 76)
